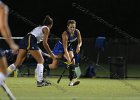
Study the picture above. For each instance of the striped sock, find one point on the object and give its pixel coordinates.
(10, 69)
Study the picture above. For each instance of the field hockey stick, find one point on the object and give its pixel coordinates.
(68, 65)
(61, 76)
(8, 92)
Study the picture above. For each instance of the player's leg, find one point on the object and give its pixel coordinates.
(77, 67)
(71, 68)
(54, 63)
(20, 58)
(40, 61)
(51, 64)
(73, 81)
(57, 51)
(24, 45)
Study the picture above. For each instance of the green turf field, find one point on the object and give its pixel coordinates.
(88, 89)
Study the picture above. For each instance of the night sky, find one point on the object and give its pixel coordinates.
(122, 13)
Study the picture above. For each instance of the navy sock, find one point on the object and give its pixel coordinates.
(71, 72)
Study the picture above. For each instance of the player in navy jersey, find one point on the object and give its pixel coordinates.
(66, 48)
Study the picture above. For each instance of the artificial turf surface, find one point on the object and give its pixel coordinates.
(88, 89)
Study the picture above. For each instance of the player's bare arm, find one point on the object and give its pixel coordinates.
(45, 42)
(65, 45)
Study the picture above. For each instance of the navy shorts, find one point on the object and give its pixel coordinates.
(58, 48)
(29, 42)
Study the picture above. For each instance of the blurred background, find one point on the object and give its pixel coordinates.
(124, 14)
(116, 20)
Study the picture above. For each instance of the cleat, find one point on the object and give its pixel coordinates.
(74, 83)
(47, 82)
(43, 83)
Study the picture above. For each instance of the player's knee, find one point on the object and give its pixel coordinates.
(40, 60)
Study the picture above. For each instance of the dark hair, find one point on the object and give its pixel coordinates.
(71, 22)
(48, 20)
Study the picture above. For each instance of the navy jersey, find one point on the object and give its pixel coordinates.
(72, 38)
(58, 48)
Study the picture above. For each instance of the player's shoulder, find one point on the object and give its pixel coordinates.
(64, 33)
(45, 28)
(77, 30)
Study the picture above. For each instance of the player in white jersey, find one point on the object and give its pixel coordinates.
(5, 32)
(30, 44)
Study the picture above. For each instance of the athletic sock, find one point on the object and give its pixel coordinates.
(10, 69)
(40, 68)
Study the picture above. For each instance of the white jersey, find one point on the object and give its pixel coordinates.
(38, 33)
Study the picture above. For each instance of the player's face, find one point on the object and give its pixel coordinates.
(71, 28)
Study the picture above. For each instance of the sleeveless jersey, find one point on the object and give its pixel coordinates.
(71, 38)
(38, 33)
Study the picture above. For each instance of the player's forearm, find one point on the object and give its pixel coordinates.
(79, 41)
(47, 47)
(67, 55)
(79, 38)
(79, 44)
